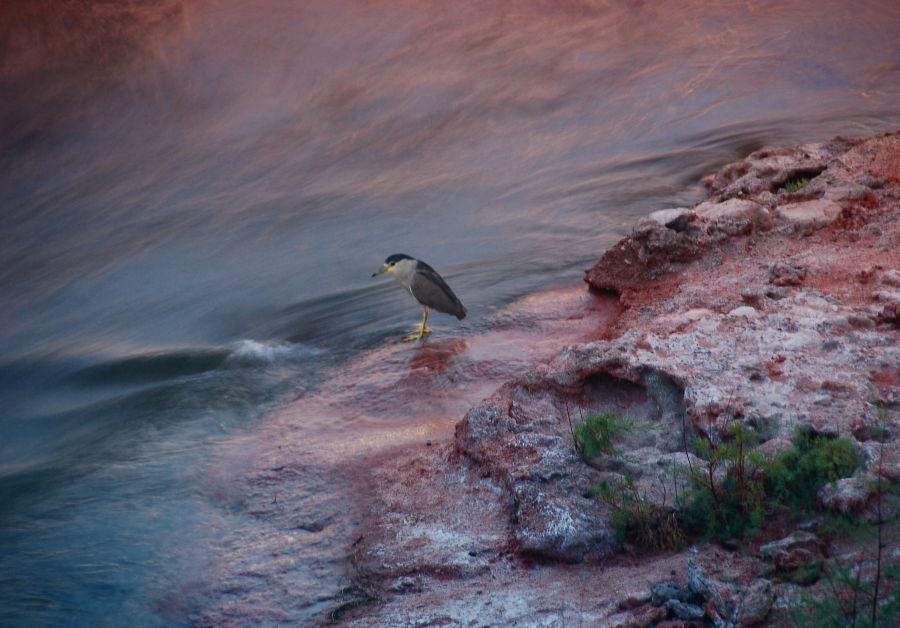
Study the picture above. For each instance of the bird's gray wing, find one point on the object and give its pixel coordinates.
(430, 289)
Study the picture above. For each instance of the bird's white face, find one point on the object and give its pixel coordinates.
(388, 268)
(402, 270)
(400, 267)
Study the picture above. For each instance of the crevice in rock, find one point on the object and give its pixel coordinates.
(790, 174)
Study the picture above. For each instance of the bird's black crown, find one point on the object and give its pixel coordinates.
(396, 257)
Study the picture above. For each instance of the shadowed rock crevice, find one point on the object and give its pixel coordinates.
(522, 438)
(783, 177)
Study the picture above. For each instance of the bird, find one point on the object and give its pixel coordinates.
(426, 286)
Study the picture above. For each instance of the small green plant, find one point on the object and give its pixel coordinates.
(636, 520)
(730, 507)
(595, 434)
(795, 183)
(794, 478)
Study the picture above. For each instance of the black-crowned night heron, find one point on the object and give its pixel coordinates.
(426, 285)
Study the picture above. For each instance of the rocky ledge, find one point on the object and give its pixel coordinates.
(774, 305)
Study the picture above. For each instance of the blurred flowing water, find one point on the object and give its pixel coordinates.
(194, 194)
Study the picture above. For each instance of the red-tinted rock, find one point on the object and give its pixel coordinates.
(686, 362)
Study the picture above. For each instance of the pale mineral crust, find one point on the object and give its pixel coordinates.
(773, 304)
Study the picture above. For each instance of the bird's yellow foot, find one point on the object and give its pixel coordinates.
(420, 333)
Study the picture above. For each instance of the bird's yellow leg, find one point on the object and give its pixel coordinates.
(425, 329)
(422, 329)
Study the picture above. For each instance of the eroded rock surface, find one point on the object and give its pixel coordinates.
(792, 551)
(773, 304)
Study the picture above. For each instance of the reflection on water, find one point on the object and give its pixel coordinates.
(193, 194)
(435, 357)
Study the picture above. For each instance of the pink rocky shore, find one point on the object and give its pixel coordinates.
(774, 304)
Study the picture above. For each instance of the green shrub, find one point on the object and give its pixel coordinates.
(730, 496)
(794, 478)
(752, 487)
(727, 512)
(595, 434)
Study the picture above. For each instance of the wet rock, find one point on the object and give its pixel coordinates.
(648, 252)
(685, 611)
(656, 246)
(786, 274)
(847, 495)
(755, 604)
(792, 551)
(808, 216)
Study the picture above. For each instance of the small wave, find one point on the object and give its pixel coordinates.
(152, 367)
(253, 352)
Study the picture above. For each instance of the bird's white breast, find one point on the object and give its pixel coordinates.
(404, 271)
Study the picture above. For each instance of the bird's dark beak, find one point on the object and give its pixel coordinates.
(381, 271)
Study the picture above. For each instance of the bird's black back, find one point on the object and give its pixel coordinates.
(430, 289)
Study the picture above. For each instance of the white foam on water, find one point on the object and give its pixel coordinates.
(250, 352)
